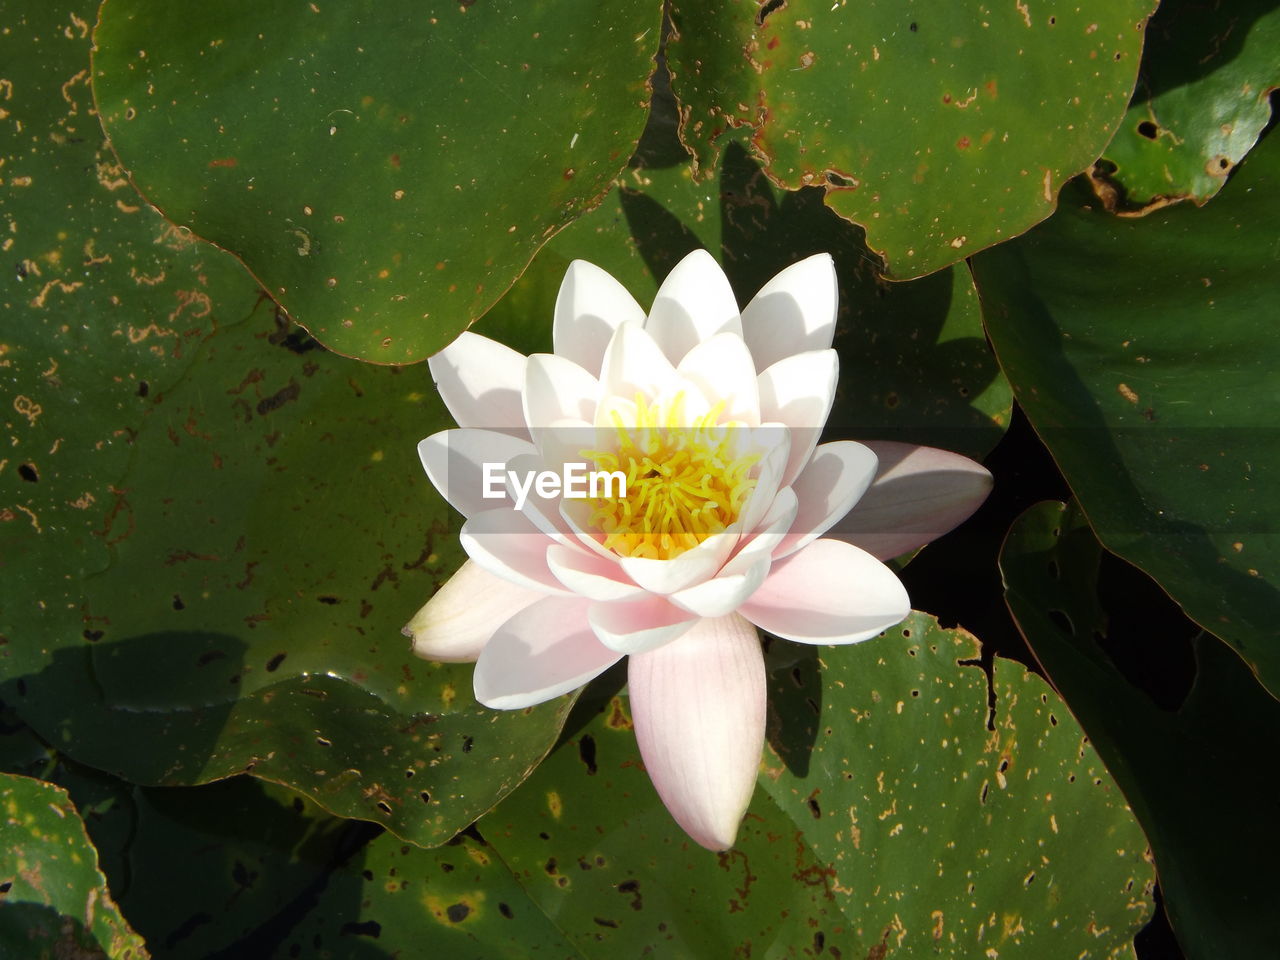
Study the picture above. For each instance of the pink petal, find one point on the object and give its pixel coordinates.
(722, 369)
(454, 461)
(794, 312)
(919, 494)
(557, 389)
(698, 706)
(590, 306)
(694, 303)
(508, 545)
(542, 651)
(459, 620)
(590, 575)
(684, 570)
(835, 478)
(480, 381)
(636, 626)
(798, 392)
(829, 592)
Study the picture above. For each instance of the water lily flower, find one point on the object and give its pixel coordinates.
(733, 517)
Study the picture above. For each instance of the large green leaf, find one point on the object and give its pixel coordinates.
(54, 901)
(1144, 353)
(213, 529)
(890, 817)
(1192, 776)
(940, 127)
(387, 169)
(913, 361)
(1201, 102)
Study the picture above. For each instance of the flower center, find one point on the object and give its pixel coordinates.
(684, 482)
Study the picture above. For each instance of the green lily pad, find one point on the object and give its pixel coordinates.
(890, 817)
(1144, 353)
(1192, 775)
(940, 128)
(213, 529)
(914, 365)
(386, 169)
(54, 900)
(1201, 102)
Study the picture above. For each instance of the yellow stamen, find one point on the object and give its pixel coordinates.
(684, 482)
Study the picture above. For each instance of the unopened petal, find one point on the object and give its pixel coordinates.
(919, 494)
(633, 364)
(694, 303)
(794, 312)
(458, 621)
(698, 707)
(590, 306)
(722, 369)
(829, 592)
(543, 651)
(480, 381)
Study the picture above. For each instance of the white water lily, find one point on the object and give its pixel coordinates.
(713, 415)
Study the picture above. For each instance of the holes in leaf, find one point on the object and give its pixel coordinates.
(766, 8)
(384, 807)
(27, 471)
(324, 742)
(274, 663)
(505, 910)
(587, 753)
(177, 602)
(143, 388)
(1062, 622)
(424, 797)
(366, 928)
(457, 912)
(1148, 129)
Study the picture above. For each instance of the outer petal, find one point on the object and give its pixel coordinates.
(919, 494)
(638, 625)
(464, 613)
(590, 306)
(455, 459)
(693, 304)
(837, 475)
(798, 392)
(591, 575)
(480, 381)
(541, 652)
(793, 312)
(683, 570)
(508, 545)
(829, 592)
(698, 707)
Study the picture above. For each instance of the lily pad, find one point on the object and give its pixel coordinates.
(1200, 105)
(941, 128)
(213, 529)
(54, 900)
(890, 816)
(1192, 775)
(1144, 353)
(387, 169)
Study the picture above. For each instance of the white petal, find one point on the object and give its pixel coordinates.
(634, 364)
(591, 575)
(557, 389)
(829, 592)
(799, 391)
(837, 475)
(480, 381)
(794, 312)
(694, 303)
(459, 620)
(775, 440)
(698, 707)
(722, 370)
(684, 570)
(543, 651)
(638, 625)
(919, 494)
(508, 545)
(590, 306)
(455, 463)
